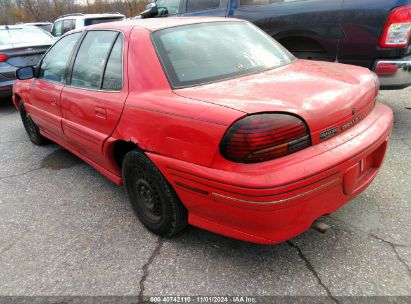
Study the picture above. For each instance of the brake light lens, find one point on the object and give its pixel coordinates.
(3, 57)
(263, 137)
(397, 31)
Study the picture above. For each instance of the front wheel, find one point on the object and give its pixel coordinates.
(153, 199)
(31, 128)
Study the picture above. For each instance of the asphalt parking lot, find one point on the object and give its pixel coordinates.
(67, 231)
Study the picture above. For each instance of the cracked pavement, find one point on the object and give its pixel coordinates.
(67, 231)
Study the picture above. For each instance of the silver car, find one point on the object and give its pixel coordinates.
(20, 46)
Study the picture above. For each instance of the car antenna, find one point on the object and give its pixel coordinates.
(7, 22)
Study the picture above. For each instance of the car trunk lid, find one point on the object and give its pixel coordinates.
(20, 55)
(325, 95)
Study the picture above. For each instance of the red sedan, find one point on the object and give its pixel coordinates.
(210, 122)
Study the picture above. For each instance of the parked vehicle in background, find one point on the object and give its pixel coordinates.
(47, 26)
(69, 22)
(209, 121)
(369, 33)
(20, 46)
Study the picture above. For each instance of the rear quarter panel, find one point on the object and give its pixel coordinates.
(158, 120)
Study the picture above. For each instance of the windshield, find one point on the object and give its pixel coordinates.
(202, 53)
(31, 35)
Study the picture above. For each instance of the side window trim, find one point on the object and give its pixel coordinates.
(76, 46)
(69, 73)
(106, 62)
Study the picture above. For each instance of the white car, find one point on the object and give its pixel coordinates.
(69, 22)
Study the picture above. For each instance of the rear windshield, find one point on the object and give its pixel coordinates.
(24, 35)
(202, 53)
(92, 21)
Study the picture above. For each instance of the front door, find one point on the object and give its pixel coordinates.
(44, 106)
(93, 100)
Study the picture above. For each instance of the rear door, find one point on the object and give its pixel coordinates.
(44, 103)
(306, 27)
(205, 7)
(93, 100)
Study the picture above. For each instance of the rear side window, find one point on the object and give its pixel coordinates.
(200, 5)
(91, 59)
(54, 64)
(68, 25)
(113, 75)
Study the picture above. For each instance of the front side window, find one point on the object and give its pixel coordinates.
(91, 59)
(54, 64)
(200, 5)
(168, 7)
(209, 52)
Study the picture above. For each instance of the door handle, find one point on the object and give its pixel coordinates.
(53, 102)
(101, 113)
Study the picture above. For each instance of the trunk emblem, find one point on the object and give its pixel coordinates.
(329, 133)
(352, 123)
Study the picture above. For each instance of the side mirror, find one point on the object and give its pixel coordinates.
(151, 11)
(25, 73)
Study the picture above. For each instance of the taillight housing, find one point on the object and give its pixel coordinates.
(263, 137)
(3, 57)
(397, 30)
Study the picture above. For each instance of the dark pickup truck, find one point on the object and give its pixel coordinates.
(369, 33)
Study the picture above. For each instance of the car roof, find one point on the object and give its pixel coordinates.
(154, 24)
(37, 23)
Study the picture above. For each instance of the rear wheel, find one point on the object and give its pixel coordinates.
(153, 199)
(31, 128)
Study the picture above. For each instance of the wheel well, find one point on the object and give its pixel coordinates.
(305, 48)
(17, 99)
(121, 148)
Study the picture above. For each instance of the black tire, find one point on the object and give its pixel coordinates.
(31, 128)
(153, 199)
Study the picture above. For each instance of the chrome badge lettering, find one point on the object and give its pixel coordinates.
(352, 123)
(329, 133)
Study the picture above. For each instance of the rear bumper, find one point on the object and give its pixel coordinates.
(394, 74)
(276, 201)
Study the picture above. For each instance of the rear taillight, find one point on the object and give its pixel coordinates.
(3, 57)
(397, 30)
(262, 137)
